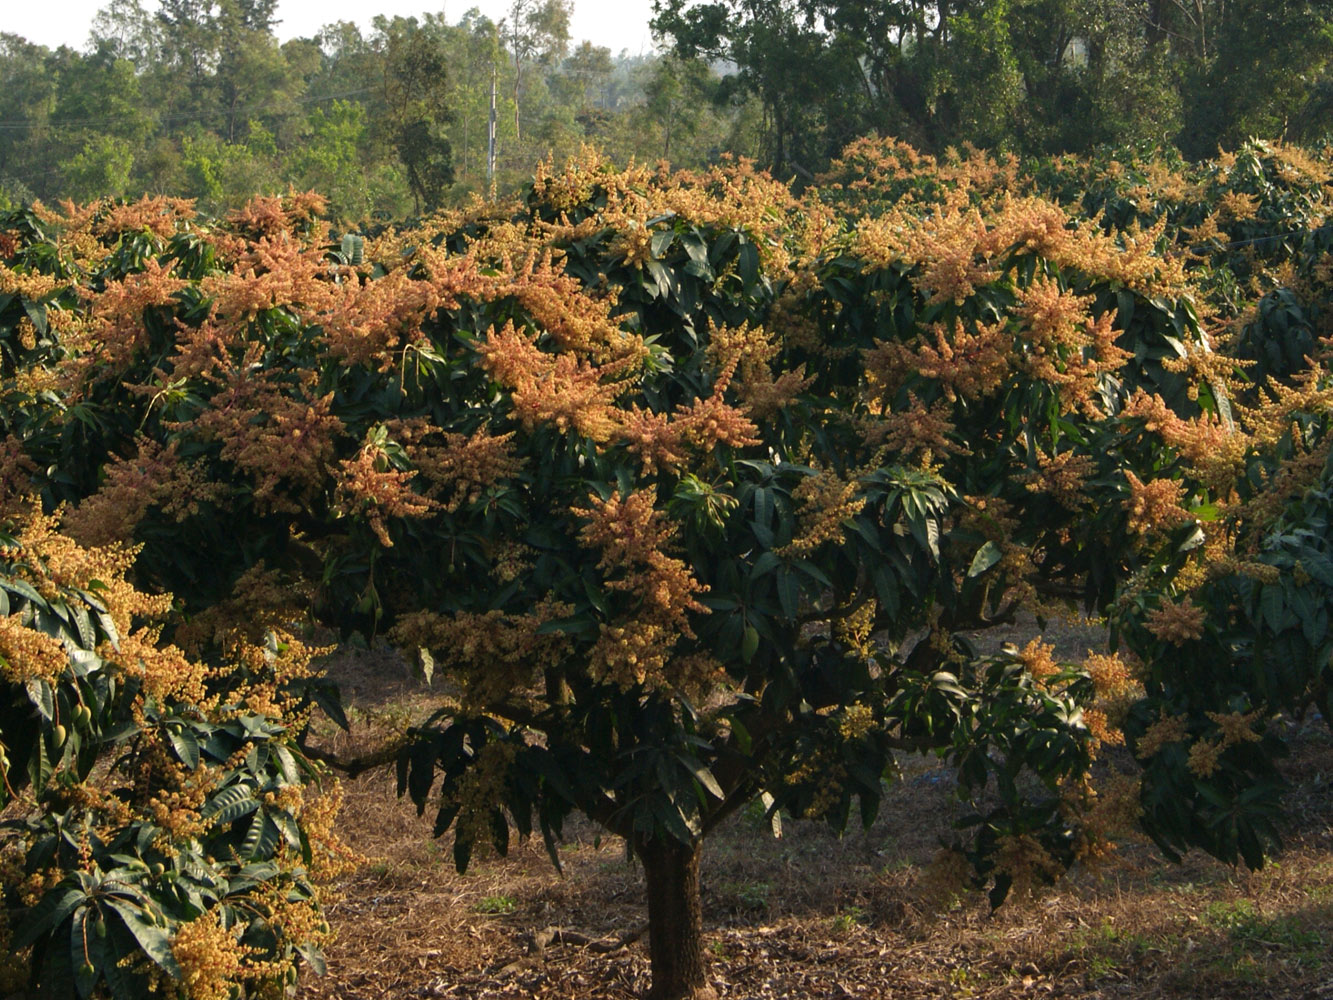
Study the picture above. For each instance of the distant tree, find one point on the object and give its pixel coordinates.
(1258, 64)
(804, 76)
(129, 31)
(585, 74)
(328, 158)
(475, 57)
(27, 89)
(102, 167)
(416, 110)
(536, 31)
(673, 97)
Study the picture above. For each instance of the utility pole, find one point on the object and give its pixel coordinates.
(490, 140)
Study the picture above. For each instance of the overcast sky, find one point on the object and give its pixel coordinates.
(617, 24)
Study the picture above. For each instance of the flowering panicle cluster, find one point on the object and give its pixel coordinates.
(918, 430)
(174, 796)
(1204, 366)
(731, 194)
(273, 432)
(968, 364)
(633, 244)
(52, 561)
(262, 602)
(274, 215)
(1027, 863)
(161, 215)
(824, 502)
(1101, 727)
(824, 774)
(1236, 727)
(1065, 346)
(27, 654)
(1237, 206)
(572, 184)
(872, 170)
(269, 274)
(653, 438)
(1111, 813)
(764, 398)
(958, 248)
(262, 675)
(493, 655)
(1268, 422)
(458, 467)
(164, 670)
(749, 351)
(148, 785)
(31, 286)
(1038, 659)
(888, 365)
(481, 786)
(71, 228)
(1177, 622)
(855, 628)
(950, 248)
(115, 330)
(741, 352)
(376, 319)
(16, 471)
(369, 487)
(558, 305)
(1115, 688)
(155, 476)
(633, 537)
(637, 653)
(558, 389)
(711, 421)
(213, 960)
(509, 560)
(1111, 676)
(665, 442)
(1215, 450)
(1204, 757)
(1208, 236)
(1154, 507)
(1061, 477)
(1293, 479)
(211, 957)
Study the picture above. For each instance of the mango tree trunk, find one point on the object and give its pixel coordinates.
(675, 919)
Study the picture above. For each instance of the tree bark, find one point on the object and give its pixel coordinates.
(675, 919)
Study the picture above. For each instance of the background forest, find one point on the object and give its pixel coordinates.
(199, 98)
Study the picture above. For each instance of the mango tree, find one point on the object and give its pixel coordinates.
(686, 492)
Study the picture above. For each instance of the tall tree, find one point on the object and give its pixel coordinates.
(1257, 64)
(675, 98)
(416, 93)
(537, 31)
(585, 74)
(28, 90)
(804, 75)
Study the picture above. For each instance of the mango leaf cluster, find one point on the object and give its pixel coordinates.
(137, 816)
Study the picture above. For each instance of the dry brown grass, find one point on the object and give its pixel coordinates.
(813, 914)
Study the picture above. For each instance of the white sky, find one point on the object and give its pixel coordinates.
(617, 24)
